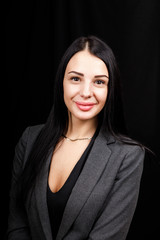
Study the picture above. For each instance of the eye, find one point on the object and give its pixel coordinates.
(99, 82)
(75, 79)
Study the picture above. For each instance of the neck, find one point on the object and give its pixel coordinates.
(81, 129)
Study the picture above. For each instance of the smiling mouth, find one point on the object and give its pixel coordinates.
(85, 106)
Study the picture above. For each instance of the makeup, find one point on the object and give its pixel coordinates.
(85, 106)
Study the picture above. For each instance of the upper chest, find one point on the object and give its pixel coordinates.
(63, 161)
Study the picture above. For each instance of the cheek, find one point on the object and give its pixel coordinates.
(102, 96)
(69, 92)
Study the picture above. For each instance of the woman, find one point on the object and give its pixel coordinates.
(77, 176)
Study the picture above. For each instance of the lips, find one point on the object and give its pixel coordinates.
(84, 106)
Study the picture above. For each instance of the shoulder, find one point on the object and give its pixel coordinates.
(24, 147)
(131, 148)
(27, 140)
(124, 149)
(128, 158)
(32, 132)
(123, 144)
(131, 156)
(128, 146)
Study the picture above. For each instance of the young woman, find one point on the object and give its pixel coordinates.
(77, 176)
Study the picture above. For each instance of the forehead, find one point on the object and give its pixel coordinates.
(84, 61)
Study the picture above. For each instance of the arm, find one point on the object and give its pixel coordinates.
(17, 223)
(116, 214)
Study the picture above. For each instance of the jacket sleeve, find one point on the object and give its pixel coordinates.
(117, 212)
(17, 222)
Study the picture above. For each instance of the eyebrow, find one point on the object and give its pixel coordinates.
(97, 76)
(78, 73)
(81, 74)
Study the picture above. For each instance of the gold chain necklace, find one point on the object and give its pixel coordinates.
(76, 139)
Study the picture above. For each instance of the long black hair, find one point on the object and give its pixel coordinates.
(111, 117)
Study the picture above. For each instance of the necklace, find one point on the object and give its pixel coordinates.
(76, 139)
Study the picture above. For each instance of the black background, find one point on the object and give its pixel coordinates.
(38, 33)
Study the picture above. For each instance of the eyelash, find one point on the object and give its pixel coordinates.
(98, 82)
(75, 79)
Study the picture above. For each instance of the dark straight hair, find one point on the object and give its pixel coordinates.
(111, 117)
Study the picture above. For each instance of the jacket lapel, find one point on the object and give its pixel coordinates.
(88, 178)
(41, 199)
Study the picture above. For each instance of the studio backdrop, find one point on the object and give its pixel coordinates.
(38, 33)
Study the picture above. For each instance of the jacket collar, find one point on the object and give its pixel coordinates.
(88, 178)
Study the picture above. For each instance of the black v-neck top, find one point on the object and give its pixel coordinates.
(57, 201)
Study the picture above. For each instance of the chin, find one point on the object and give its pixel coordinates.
(85, 117)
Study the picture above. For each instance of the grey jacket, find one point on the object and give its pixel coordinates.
(101, 204)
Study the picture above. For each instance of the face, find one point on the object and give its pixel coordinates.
(85, 85)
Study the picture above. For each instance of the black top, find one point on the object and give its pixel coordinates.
(57, 201)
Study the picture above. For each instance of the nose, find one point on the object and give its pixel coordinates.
(86, 90)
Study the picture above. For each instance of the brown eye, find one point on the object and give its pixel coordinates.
(99, 82)
(75, 79)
